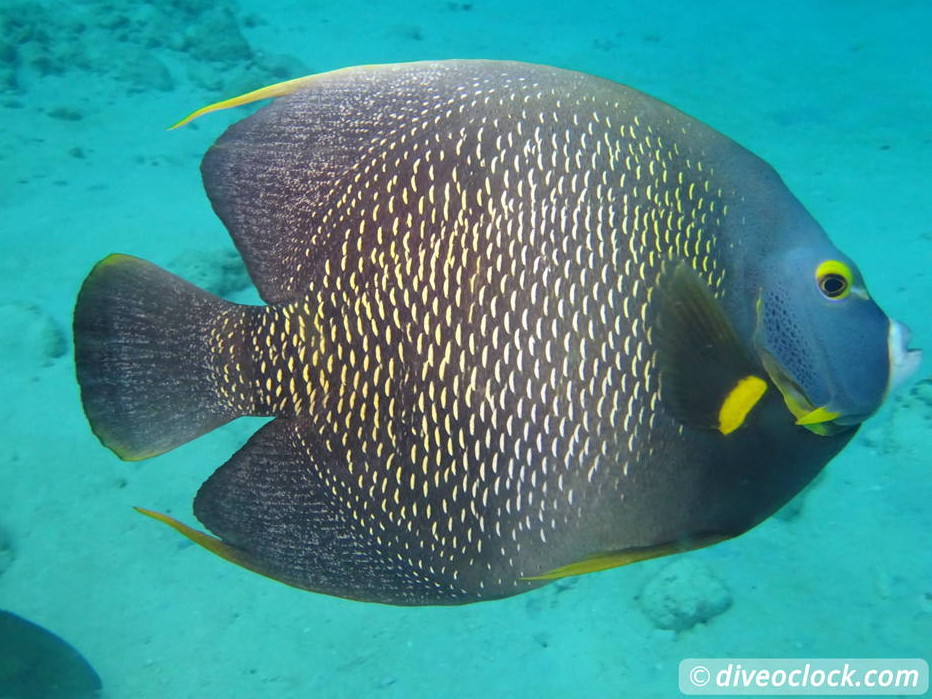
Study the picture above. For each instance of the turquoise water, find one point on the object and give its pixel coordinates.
(836, 95)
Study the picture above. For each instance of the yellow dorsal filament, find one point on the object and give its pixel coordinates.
(276, 90)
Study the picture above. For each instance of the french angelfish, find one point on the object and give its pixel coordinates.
(37, 664)
(522, 323)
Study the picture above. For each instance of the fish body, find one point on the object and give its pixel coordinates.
(37, 664)
(522, 322)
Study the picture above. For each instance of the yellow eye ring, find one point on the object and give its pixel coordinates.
(834, 279)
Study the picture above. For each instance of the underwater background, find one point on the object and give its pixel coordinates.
(837, 95)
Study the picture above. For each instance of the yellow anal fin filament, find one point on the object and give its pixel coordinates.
(212, 544)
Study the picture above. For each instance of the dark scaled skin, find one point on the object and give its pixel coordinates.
(461, 339)
(461, 261)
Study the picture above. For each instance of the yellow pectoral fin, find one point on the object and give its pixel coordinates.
(212, 544)
(739, 402)
(614, 559)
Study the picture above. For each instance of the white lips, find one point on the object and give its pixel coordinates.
(903, 361)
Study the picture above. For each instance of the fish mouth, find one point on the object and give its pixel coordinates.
(904, 362)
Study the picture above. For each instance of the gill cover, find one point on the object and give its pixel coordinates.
(822, 339)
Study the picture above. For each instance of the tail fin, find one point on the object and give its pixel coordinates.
(144, 358)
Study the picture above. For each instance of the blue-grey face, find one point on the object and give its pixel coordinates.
(832, 352)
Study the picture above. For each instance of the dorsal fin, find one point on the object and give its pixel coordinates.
(342, 155)
(276, 90)
(279, 178)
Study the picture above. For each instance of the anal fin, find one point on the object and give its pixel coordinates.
(276, 509)
(211, 543)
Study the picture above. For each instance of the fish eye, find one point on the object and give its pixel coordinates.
(833, 285)
(834, 279)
